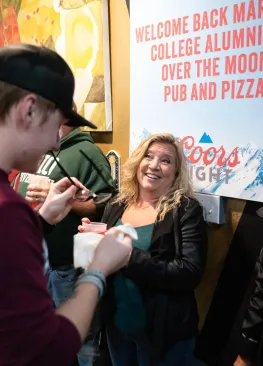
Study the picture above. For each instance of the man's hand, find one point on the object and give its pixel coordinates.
(112, 253)
(59, 200)
(241, 362)
(37, 193)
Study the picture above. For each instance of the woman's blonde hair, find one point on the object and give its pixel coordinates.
(181, 187)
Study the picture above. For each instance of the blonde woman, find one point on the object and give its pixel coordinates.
(154, 319)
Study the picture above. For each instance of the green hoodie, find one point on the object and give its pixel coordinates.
(94, 172)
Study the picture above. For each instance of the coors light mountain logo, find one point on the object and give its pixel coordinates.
(208, 162)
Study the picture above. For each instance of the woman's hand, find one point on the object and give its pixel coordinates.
(241, 362)
(59, 200)
(80, 227)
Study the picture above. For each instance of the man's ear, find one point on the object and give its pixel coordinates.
(26, 110)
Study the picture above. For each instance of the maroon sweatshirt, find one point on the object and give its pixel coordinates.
(30, 331)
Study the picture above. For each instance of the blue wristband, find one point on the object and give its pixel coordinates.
(95, 277)
(98, 274)
(95, 280)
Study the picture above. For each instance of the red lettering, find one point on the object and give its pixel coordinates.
(241, 84)
(210, 155)
(154, 53)
(252, 62)
(251, 14)
(192, 157)
(196, 22)
(183, 92)
(169, 28)
(147, 33)
(211, 151)
(178, 27)
(242, 88)
(247, 11)
(209, 44)
(231, 164)
(207, 67)
(160, 30)
(139, 34)
(167, 92)
(178, 71)
(235, 161)
(220, 161)
(231, 64)
(205, 22)
(223, 17)
(182, 48)
(259, 91)
(194, 94)
(225, 88)
(244, 63)
(188, 142)
(250, 86)
(239, 12)
(210, 19)
(176, 93)
(204, 91)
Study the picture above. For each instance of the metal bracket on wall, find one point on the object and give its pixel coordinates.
(114, 160)
(214, 207)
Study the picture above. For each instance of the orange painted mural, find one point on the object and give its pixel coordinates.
(78, 31)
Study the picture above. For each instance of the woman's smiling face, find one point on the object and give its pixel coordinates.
(157, 170)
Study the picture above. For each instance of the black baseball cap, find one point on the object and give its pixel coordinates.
(43, 72)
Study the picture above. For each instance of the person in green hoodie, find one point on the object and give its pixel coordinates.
(82, 159)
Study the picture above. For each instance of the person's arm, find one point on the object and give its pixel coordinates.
(29, 325)
(252, 327)
(179, 274)
(28, 322)
(84, 209)
(76, 309)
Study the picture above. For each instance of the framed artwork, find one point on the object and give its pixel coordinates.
(79, 31)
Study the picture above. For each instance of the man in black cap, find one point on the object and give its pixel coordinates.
(36, 95)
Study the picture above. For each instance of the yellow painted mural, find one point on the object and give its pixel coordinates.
(78, 31)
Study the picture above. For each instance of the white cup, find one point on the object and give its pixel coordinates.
(85, 245)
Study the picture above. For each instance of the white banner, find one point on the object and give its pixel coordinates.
(197, 72)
